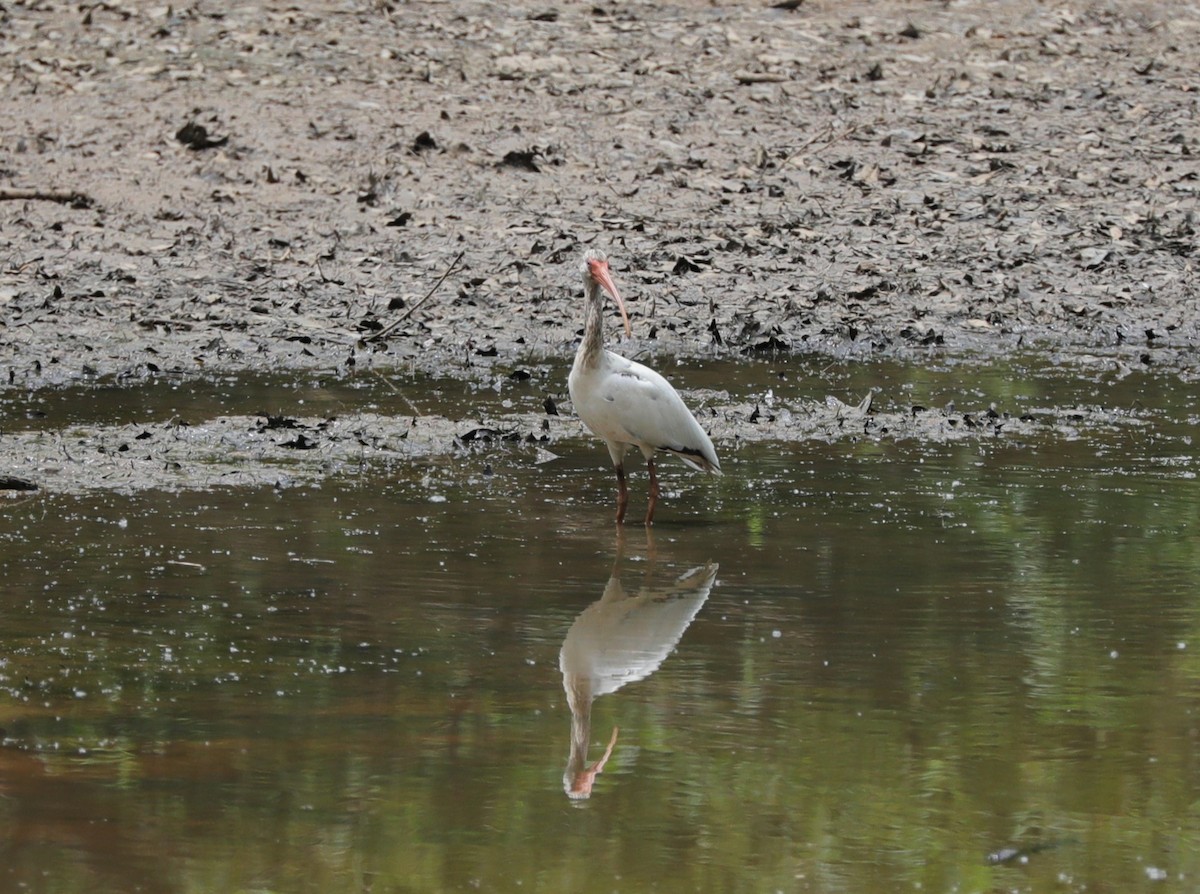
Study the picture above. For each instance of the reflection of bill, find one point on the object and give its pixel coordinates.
(616, 640)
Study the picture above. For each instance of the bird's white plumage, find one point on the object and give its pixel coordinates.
(628, 405)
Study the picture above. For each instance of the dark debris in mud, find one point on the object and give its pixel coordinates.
(11, 483)
(195, 136)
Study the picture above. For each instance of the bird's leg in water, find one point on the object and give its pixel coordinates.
(587, 777)
(622, 494)
(653, 491)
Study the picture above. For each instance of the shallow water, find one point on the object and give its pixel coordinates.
(856, 666)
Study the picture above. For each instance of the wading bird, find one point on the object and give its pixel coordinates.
(627, 404)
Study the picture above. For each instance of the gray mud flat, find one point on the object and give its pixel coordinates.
(185, 192)
(282, 452)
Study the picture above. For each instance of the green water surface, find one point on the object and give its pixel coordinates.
(920, 667)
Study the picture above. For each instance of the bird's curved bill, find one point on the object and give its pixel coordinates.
(600, 273)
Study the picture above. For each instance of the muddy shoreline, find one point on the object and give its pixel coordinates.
(196, 191)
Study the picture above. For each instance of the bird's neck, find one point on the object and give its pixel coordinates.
(591, 349)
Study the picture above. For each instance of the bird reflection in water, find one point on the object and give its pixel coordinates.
(620, 639)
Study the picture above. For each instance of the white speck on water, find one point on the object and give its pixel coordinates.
(123, 523)
(1181, 645)
(1113, 654)
(1155, 874)
(437, 498)
(775, 634)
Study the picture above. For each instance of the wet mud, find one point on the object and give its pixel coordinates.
(382, 187)
(288, 451)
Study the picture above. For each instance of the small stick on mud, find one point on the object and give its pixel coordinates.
(375, 336)
(74, 199)
(828, 136)
(396, 391)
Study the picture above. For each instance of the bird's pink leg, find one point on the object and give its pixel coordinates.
(653, 491)
(622, 493)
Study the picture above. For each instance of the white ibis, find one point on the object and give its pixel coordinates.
(617, 640)
(627, 404)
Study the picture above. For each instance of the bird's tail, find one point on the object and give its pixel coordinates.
(697, 460)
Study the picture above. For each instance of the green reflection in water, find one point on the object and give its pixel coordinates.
(912, 657)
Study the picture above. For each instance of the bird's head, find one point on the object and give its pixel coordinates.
(596, 273)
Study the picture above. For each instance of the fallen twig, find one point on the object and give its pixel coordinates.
(827, 135)
(375, 336)
(398, 393)
(760, 77)
(74, 199)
